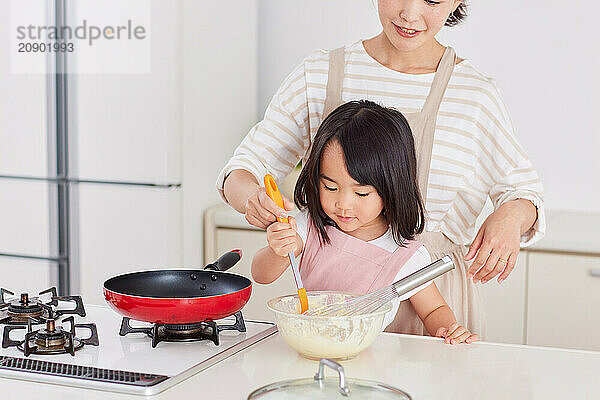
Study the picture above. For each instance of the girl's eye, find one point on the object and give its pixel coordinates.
(431, 2)
(329, 188)
(362, 194)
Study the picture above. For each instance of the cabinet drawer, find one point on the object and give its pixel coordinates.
(250, 242)
(563, 301)
(504, 305)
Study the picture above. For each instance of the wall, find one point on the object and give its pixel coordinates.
(219, 102)
(544, 59)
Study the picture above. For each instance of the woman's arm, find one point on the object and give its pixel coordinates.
(438, 318)
(516, 193)
(273, 146)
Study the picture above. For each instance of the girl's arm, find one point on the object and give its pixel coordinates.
(270, 261)
(438, 318)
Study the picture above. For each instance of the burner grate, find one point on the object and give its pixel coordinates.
(80, 372)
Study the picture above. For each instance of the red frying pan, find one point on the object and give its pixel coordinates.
(180, 296)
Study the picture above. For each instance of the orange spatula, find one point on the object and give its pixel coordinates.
(275, 195)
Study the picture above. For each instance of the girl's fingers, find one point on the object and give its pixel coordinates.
(482, 256)
(293, 224)
(473, 338)
(460, 338)
(451, 330)
(283, 247)
(512, 261)
(280, 226)
(441, 332)
(475, 245)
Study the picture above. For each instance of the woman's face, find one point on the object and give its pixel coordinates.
(410, 24)
(355, 208)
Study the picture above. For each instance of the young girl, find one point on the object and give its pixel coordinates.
(360, 211)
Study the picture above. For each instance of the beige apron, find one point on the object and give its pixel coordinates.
(459, 292)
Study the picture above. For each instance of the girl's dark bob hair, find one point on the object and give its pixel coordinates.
(457, 15)
(379, 151)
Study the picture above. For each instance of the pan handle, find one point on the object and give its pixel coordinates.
(226, 261)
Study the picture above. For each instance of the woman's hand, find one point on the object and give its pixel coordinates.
(244, 194)
(497, 243)
(261, 211)
(282, 237)
(456, 333)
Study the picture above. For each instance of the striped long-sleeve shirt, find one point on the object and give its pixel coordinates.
(475, 152)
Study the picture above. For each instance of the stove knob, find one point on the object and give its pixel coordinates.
(203, 286)
(213, 277)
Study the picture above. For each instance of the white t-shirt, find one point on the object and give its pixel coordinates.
(420, 259)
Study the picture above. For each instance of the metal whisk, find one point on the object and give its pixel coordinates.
(372, 302)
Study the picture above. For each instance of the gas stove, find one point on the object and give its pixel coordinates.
(53, 339)
(36, 310)
(207, 330)
(131, 357)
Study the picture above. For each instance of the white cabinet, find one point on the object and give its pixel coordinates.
(563, 307)
(21, 275)
(504, 305)
(251, 241)
(25, 217)
(128, 126)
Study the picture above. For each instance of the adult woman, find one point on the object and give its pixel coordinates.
(466, 150)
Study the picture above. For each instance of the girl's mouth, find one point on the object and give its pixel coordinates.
(405, 32)
(345, 219)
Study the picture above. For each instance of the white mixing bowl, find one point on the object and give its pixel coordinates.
(317, 337)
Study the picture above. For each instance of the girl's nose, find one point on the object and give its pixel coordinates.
(344, 201)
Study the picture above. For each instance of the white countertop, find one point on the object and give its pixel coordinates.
(425, 368)
(567, 231)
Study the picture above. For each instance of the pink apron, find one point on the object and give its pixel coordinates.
(349, 264)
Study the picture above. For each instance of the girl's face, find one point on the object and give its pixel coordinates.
(355, 208)
(410, 24)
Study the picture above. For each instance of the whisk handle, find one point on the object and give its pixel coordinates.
(423, 275)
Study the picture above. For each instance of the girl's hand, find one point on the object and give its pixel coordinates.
(497, 243)
(456, 334)
(261, 211)
(282, 237)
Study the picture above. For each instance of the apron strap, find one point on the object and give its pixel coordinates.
(333, 94)
(335, 80)
(440, 82)
(426, 125)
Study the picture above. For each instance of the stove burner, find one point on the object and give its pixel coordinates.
(35, 309)
(52, 339)
(207, 330)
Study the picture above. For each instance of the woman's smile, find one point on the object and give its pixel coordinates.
(405, 32)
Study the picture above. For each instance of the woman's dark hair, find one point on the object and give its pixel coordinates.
(457, 15)
(379, 151)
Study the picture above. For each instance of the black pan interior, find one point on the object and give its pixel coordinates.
(177, 283)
